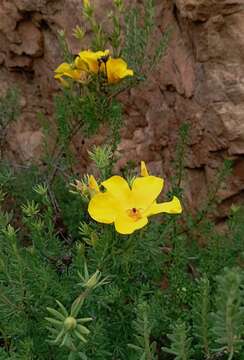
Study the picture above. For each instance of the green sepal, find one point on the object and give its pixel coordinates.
(83, 330)
(56, 313)
(54, 321)
(80, 336)
(64, 311)
(76, 306)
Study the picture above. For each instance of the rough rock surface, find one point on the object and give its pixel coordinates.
(199, 81)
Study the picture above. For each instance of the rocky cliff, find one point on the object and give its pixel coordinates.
(199, 81)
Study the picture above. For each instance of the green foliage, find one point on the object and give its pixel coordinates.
(217, 320)
(64, 46)
(46, 257)
(149, 279)
(142, 328)
(99, 109)
(180, 343)
(202, 315)
(180, 156)
(102, 157)
(228, 318)
(140, 30)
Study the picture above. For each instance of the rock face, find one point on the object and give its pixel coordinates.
(200, 81)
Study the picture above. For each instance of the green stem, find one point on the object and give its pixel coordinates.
(231, 354)
(20, 267)
(147, 347)
(146, 337)
(229, 329)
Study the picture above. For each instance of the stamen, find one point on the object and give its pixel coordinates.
(134, 213)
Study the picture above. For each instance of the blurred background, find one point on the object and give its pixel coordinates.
(200, 81)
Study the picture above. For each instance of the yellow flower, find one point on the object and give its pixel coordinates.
(129, 208)
(68, 70)
(92, 61)
(117, 70)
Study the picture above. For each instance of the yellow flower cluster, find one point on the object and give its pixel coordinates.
(129, 207)
(89, 62)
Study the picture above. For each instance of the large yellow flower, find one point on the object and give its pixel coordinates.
(129, 208)
(68, 70)
(117, 70)
(91, 61)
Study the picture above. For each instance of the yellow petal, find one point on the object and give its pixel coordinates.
(92, 183)
(117, 70)
(171, 207)
(103, 208)
(61, 80)
(145, 190)
(91, 59)
(126, 225)
(128, 72)
(68, 70)
(81, 64)
(119, 189)
(62, 68)
(74, 74)
(144, 171)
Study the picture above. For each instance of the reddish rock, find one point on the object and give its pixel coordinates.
(31, 40)
(201, 10)
(19, 61)
(195, 187)
(2, 58)
(27, 145)
(30, 5)
(9, 16)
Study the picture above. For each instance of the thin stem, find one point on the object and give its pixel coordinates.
(6, 300)
(231, 354)
(20, 267)
(229, 329)
(146, 338)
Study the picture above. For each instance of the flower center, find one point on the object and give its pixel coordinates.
(103, 59)
(135, 214)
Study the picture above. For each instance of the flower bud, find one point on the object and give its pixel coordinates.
(86, 3)
(70, 323)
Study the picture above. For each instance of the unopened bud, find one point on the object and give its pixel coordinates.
(86, 3)
(70, 323)
(93, 280)
(61, 33)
